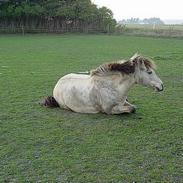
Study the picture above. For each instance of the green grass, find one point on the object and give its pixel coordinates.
(39, 144)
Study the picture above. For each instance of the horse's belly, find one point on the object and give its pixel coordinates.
(75, 94)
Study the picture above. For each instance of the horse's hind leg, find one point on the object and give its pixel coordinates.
(119, 109)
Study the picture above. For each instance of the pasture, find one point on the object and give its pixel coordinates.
(38, 144)
(152, 30)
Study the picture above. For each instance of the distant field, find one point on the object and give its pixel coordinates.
(164, 27)
(38, 144)
(154, 30)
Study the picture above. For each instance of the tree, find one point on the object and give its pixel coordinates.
(152, 21)
(144, 21)
(130, 21)
(56, 13)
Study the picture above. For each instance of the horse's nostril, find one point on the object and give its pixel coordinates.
(160, 89)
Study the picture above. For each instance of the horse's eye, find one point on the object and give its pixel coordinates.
(149, 72)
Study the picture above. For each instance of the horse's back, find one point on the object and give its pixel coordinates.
(73, 80)
(75, 76)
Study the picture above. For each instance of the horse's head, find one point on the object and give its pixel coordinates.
(145, 73)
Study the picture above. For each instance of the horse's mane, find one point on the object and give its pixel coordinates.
(124, 66)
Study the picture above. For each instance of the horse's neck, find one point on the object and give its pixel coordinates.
(120, 83)
(126, 84)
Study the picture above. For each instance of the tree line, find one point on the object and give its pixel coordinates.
(55, 15)
(151, 21)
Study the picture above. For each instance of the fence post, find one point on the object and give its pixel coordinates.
(108, 28)
(23, 32)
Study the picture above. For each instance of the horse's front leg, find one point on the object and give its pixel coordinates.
(121, 108)
(128, 104)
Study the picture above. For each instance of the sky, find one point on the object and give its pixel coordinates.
(124, 9)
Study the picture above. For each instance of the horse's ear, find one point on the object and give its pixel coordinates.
(134, 57)
(138, 61)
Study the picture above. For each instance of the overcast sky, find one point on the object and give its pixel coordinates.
(164, 9)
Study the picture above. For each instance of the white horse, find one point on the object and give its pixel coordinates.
(105, 89)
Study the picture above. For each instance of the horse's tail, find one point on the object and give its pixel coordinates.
(50, 102)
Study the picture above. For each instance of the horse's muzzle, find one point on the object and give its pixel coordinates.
(160, 89)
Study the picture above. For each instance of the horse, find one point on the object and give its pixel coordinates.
(105, 89)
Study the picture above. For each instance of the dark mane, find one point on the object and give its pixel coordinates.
(124, 67)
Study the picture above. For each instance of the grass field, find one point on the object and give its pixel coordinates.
(39, 144)
(158, 27)
(152, 30)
